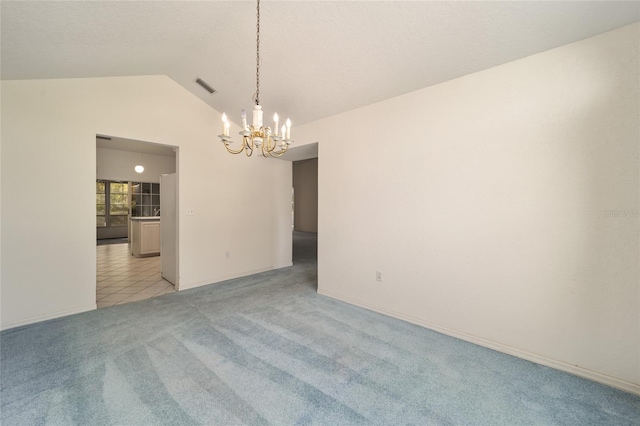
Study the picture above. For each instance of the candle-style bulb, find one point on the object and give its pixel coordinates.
(275, 117)
(243, 114)
(284, 131)
(225, 124)
(288, 129)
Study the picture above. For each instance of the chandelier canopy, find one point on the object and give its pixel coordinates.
(258, 136)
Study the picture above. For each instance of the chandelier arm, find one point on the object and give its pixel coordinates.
(270, 145)
(245, 147)
(272, 148)
(265, 145)
(249, 145)
(277, 154)
(272, 151)
(232, 151)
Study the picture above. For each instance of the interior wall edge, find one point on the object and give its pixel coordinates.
(506, 349)
(46, 317)
(219, 280)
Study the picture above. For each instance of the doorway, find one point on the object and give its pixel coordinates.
(305, 210)
(128, 180)
(304, 166)
(305, 195)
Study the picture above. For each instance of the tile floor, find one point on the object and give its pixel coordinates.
(123, 278)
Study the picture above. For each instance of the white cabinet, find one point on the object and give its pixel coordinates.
(145, 236)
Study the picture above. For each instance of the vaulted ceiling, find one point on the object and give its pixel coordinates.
(319, 58)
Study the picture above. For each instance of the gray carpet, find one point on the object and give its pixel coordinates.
(267, 349)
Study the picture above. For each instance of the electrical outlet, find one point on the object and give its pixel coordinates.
(228, 254)
(378, 276)
(190, 212)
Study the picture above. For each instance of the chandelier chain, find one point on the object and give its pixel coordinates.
(257, 96)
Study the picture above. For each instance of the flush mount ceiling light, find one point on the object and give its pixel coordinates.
(257, 135)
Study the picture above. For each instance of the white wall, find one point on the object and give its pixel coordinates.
(486, 202)
(114, 164)
(48, 142)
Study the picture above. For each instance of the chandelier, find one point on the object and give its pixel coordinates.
(258, 136)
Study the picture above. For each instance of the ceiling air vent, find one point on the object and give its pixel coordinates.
(205, 86)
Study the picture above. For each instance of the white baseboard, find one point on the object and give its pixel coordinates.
(189, 286)
(46, 317)
(538, 359)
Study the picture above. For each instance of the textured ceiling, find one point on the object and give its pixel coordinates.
(319, 58)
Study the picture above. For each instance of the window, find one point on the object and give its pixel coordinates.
(145, 199)
(112, 203)
(101, 212)
(118, 203)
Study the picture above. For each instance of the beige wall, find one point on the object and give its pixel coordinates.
(501, 207)
(305, 185)
(49, 129)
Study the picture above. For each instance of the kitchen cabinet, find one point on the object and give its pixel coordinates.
(145, 236)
